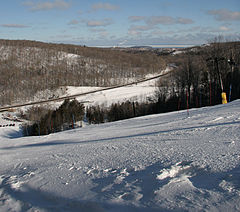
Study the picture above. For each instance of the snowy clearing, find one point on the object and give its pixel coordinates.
(165, 162)
(140, 92)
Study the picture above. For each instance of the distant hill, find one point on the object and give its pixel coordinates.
(28, 67)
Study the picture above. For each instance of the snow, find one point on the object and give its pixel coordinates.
(106, 98)
(140, 92)
(176, 52)
(164, 162)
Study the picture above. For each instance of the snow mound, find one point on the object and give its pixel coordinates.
(175, 170)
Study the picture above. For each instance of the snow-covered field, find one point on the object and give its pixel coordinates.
(166, 162)
(139, 92)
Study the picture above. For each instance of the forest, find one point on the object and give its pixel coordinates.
(27, 67)
(204, 73)
(198, 77)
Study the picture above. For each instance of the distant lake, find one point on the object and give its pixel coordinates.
(153, 46)
(172, 45)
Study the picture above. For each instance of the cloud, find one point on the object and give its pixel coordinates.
(184, 21)
(152, 23)
(103, 34)
(47, 5)
(163, 20)
(99, 23)
(14, 25)
(97, 30)
(104, 6)
(136, 18)
(80, 12)
(225, 15)
(141, 28)
(167, 20)
(224, 28)
(134, 32)
(73, 22)
(138, 30)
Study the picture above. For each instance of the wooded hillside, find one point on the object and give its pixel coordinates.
(27, 67)
(200, 74)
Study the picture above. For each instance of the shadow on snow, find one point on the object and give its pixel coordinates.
(67, 142)
(145, 179)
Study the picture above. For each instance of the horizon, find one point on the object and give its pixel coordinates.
(151, 45)
(170, 45)
(120, 23)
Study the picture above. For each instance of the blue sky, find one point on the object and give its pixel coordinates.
(120, 22)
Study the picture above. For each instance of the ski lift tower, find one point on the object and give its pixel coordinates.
(216, 60)
(232, 64)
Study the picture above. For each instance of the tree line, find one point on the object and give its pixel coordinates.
(43, 121)
(199, 77)
(203, 73)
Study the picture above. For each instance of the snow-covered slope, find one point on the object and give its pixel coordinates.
(140, 92)
(166, 162)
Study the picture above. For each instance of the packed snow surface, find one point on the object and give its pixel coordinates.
(165, 162)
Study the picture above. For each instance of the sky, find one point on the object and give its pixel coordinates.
(120, 22)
